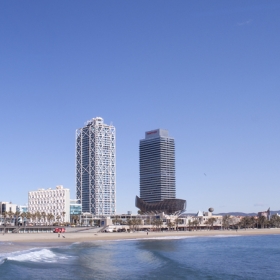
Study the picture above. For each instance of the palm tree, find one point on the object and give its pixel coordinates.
(211, 222)
(58, 218)
(38, 216)
(17, 214)
(5, 214)
(262, 221)
(159, 223)
(73, 219)
(129, 222)
(44, 216)
(63, 215)
(28, 216)
(195, 223)
(189, 223)
(11, 215)
(252, 221)
(170, 225)
(177, 221)
(33, 217)
(275, 220)
(50, 217)
(23, 216)
(226, 221)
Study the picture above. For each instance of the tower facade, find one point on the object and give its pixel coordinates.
(96, 167)
(157, 166)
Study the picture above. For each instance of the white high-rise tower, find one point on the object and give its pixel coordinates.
(96, 167)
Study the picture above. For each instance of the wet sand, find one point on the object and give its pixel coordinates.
(72, 237)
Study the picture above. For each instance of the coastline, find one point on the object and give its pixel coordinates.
(73, 237)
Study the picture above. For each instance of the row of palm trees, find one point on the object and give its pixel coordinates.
(37, 217)
(251, 222)
(134, 223)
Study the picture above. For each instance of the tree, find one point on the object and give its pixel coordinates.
(43, 214)
(275, 220)
(226, 221)
(170, 225)
(5, 214)
(245, 222)
(11, 215)
(63, 215)
(159, 223)
(211, 222)
(23, 216)
(129, 222)
(117, 220)
(190, 224)
(177, 222)
(262, 220)
(33, 217)
(195, 223)
(252, 221)
(38, 217)
(58, 218)
(16, 215)
(28, 216)
(50, 217)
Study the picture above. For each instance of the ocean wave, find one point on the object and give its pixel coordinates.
(6, 243)
(33, 255)
(225, 235)
(170, 237)
(43, 255)
(143, 238)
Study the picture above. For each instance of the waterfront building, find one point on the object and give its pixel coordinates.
(51, 201)
(75, 207)
(96, 167)
(22, 208)
(265, 214)
(7, 207)
(157, 175)
(157, 166)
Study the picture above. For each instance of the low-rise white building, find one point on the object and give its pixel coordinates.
(51, 201)
(6, 207)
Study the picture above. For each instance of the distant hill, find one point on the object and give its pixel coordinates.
(234, 213)
(237, 214)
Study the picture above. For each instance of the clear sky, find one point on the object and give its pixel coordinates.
(208, 71)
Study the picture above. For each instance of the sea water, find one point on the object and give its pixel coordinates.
(217, 257)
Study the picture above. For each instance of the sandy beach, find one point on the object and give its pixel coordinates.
(87, 236)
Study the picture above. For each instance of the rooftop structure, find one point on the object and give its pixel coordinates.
(168, 206)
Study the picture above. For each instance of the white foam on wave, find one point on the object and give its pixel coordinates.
(221, 235)
(170, 237)
(33, 255)
(147, 238)
(43, 255)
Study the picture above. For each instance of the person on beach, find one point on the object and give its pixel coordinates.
(147, 233)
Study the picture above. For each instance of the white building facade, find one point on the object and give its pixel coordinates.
(96, 167)
(51, 201)
(6, 207)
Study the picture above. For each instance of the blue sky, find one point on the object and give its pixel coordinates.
(208, 71)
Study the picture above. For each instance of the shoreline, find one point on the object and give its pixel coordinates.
(73, 237)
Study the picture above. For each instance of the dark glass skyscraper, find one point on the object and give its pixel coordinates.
(157, 166)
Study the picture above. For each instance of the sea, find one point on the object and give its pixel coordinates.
(215, 257)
